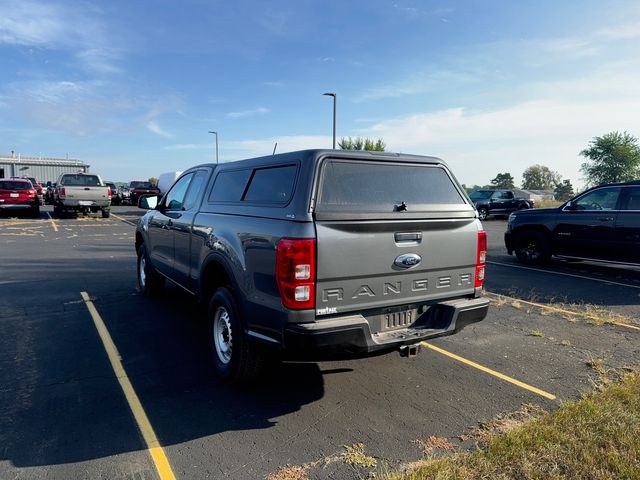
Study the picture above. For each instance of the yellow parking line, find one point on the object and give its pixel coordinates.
(122, 219)
(490, 372)
(559, 310)
(153, 445)
(53, 223)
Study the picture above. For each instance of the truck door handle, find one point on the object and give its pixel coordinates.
(605, 219)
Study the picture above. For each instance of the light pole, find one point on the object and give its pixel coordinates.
(332, 94)
(216, 134)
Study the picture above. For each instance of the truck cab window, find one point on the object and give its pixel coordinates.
(175, 197)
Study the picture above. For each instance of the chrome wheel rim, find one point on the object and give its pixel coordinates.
(482, 214)
(142, 274)
(222, 336)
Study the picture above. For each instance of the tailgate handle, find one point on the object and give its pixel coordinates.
(401, 237)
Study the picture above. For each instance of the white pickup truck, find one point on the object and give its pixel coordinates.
(81, 192)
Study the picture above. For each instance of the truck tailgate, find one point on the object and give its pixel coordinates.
(89, 194)
(363, 264)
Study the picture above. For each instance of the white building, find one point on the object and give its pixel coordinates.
(41, 168)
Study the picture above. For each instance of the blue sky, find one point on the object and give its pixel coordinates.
(490, 86)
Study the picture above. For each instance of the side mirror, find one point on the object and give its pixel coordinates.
(570, 206)
(148, 202)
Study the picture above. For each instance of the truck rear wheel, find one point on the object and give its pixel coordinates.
(106, 212)
(235, 359)
(483, 213)
(150, 282)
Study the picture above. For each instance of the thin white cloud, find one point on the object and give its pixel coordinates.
(248, 113)
(550, 128)
(75, 29)
(277, 84)
(257, 147)
(153, 127)
(188, 146)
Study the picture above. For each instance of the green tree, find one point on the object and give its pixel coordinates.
(614, 157)
(503, 180)
(540, 177)
(153, 181)
(563, 191)
(359, 143)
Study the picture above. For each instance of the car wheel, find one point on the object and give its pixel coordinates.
(106, 212)
(235, 359)
(483, 213)
(532, 248)
(150, 282)
(35, 211)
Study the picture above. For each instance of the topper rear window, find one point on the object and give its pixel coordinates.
(384, 187)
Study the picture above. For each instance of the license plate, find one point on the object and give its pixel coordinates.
(85, 203)
(14, 195)
(398, 319)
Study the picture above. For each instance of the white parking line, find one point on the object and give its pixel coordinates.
(600, 280)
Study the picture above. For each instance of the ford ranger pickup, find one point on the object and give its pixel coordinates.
(317, 252)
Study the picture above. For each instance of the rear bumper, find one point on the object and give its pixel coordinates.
(17, 206)
(75, 204)
(352, 334)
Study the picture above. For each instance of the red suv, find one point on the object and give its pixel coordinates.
(36, 185)
(19, 194)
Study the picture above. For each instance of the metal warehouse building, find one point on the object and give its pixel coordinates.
(41, 168)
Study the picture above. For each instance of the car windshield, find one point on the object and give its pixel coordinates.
(480, 194)
(140, 185)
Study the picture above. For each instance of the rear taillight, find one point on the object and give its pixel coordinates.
(481, 258)
(296, 273)
(31, 193)
(109, 192)
(62, 192)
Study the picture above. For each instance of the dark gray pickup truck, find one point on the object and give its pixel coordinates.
(317, 252)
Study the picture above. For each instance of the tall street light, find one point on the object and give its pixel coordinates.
(331, 94)
(216, 134)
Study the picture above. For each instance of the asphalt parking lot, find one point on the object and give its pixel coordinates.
(63, 413)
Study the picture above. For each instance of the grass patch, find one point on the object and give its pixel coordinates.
(536, 333)
(595, 437)
(356, 456)
(290, 472)
(565, 343)
(547, 203)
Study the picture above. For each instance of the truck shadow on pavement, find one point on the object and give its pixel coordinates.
(61, 403)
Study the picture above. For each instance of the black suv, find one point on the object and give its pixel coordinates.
(602, 223)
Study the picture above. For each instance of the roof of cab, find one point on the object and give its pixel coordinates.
(314, 154)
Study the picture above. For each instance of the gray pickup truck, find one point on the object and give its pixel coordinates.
(81, 192)
(317, 252)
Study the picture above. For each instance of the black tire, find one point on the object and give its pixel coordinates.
(106, 213)
(533, 248)
(483, 213)
(57, 211)
(243, 360)
(35, 211)
(150, 282)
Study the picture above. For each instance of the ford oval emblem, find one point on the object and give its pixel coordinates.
(407, 260)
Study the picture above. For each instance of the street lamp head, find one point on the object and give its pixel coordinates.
(329, 94)
(213, 132)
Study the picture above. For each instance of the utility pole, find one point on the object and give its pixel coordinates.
(216, 134)
(334, 95)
